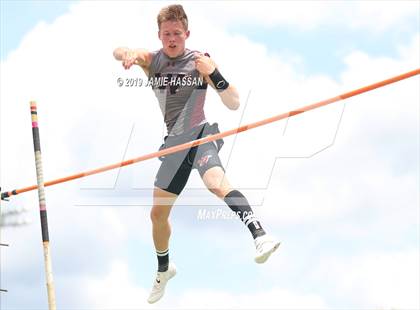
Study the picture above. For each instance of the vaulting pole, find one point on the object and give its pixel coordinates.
(221, 135)
(42, 207)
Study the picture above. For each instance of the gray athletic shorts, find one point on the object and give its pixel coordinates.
(176, 168)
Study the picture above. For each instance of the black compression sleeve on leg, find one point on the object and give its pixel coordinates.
(239, 204)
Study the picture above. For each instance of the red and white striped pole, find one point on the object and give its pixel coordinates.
(42, 208)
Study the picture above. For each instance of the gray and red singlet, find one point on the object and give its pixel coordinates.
(180, 90)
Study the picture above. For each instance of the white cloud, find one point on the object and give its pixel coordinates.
(375, 148)
(372, 16)
(117, 291)
(275, 298)
(381, 16)
(381, 280)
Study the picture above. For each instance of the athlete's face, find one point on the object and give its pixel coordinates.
(173, 36)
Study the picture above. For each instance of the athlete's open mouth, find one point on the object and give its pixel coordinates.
(172, 46)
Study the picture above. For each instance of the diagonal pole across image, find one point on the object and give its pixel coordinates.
(221, 135)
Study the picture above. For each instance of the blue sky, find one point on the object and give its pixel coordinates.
(321, 49)
(345, 209)
(19, 17)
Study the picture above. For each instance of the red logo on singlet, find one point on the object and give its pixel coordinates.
(203, 160)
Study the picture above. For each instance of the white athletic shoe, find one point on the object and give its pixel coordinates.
(162, 278)
(265, 246)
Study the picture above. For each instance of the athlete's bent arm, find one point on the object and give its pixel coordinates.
(230, 97)
(130, 57)
(227, 92)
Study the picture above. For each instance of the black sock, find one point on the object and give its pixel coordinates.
(163, 260)
(239, 204)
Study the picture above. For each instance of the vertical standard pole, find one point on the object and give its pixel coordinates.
(2, 290)
(42, 207)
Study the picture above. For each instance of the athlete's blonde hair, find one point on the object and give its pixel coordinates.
(173, 12)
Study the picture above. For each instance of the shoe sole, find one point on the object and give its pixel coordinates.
(263, 258)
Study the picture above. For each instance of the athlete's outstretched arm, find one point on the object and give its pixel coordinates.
(227, 92)
(130, 57)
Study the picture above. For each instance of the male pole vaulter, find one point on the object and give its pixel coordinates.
(179, 79)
